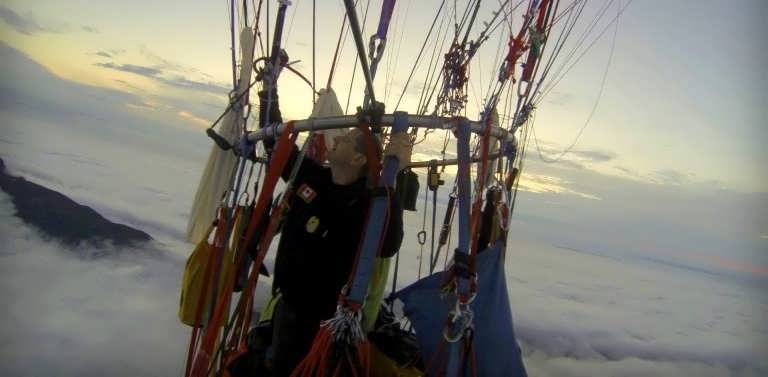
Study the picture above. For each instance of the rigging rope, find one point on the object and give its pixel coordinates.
(290, 24)
(560, 42)
(232, 45)
(594, 106)
(432, 69)
(314, 45)
(336, 53)
(560, 74)
(357, 34)
(390, 68)
(421, 51)
(354, 65)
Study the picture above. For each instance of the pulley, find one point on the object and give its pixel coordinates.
(433, 176)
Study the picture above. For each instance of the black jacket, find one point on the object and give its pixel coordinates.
(320, 237)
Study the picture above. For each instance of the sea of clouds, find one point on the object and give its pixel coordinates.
(578, 311)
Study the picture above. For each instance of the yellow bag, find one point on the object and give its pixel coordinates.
(383, 366)
(268, 312)
(192, 281)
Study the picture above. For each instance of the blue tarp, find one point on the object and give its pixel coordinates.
(496, 350)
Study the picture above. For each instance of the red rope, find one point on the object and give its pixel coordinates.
(314, 364)
(279, 159)
(336, 54)
(473, 359)
(532, 58)
(202, 358)
(483, 171)
(372, 158)
(316, 149)
(517, 44)
(319, 361)
(435, 359)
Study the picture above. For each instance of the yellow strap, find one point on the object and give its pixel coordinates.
(269, 310)
(375, 292)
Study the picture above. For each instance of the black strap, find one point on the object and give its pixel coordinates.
(463, 264)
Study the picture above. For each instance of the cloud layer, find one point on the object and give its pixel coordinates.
(87, 317)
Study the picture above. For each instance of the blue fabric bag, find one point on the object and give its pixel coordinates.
(496, 350)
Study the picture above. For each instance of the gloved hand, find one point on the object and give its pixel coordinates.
(400, 146)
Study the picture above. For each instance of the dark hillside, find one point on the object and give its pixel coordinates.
(59, 217)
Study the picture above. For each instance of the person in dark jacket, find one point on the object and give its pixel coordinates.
(320, 238)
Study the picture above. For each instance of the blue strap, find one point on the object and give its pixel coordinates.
(452, 369)
(387, 8)
(376, 218)
(464, 195)
(463, 183)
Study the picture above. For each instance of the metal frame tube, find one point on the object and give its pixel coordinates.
(346, 121)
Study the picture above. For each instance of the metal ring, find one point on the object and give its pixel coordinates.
(452, 339)
(421, 237)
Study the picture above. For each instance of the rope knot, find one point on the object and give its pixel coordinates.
(371, 115)
(345, 326)
(460, 322)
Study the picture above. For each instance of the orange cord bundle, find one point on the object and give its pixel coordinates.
(320, 359)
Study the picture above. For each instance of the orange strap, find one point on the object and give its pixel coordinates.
(202, 358)
(279, 160)
(474, 224)
(374, 164)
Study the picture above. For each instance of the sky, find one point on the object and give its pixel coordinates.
(645, 247)
(685, 92)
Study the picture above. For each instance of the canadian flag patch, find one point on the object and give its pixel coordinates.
(307, 193)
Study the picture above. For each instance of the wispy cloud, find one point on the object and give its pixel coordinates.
(90, 29)
(593, 155)
(132, 68)
(672, 177)
(25, 24)
(185, 83)
(626, 171)
(143, 106)
(29, 25)
(539, 183)
(194, 119)
(549, 152)
(111, 53)
(164, 75)
(163, 71)
(167, 65)
(560, 98)
(159, 61)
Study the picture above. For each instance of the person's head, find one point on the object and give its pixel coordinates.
(347, 155)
